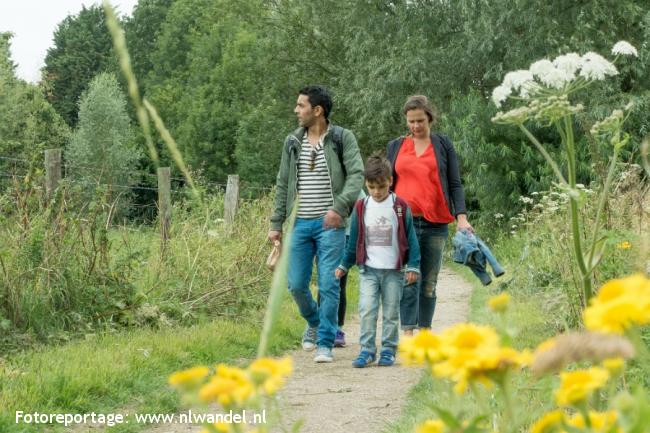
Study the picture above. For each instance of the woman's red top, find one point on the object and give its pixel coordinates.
(419, 183)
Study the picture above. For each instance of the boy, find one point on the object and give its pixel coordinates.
(383, 244)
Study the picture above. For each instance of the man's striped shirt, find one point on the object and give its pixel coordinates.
(314, 184)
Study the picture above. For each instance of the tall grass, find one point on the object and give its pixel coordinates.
(536, 244)
(64, 269)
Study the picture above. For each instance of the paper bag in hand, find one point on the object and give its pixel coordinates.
(274, 256)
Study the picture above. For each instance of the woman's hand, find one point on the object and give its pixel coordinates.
(411, 277)
(339, 273)
(463, 224)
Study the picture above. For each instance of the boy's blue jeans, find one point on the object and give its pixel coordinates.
(308, 240)
(379, 286)
(419, 299)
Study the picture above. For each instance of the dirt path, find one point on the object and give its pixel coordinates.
(336, 398)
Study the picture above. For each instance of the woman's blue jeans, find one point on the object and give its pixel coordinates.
(308, 240)
(419, 299)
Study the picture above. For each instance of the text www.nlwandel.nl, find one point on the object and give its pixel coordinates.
(112, 419)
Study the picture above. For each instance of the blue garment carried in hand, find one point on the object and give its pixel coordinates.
(471, 251)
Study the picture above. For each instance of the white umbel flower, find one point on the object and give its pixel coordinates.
(624, 48)
(500, 94)
(569, 63)
(529, 88)
(541, 67)
(516, 79)
(549, 75)
(596, 67)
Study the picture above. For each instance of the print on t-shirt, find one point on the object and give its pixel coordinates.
(380, 232)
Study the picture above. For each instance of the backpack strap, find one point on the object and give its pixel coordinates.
(290, 146)
(337, 138)
(400, 207)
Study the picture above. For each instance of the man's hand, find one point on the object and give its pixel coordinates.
(275, 235)
(463, 224)
(411, 277)
(332, 220)
(339, 273)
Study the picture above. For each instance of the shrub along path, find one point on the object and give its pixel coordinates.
(337, 398)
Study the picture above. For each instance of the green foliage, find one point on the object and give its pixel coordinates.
(82, 49)
(29, 124)
(142, 29)
(101, 151)
(223, 76)
(538, 245)
(225, 82)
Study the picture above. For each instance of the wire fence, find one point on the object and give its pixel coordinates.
(138, 189)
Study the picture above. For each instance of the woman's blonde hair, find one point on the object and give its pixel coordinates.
(421, 102)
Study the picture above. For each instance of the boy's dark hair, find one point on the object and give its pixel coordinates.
(318, 95)
(421, 102)
(377, 168)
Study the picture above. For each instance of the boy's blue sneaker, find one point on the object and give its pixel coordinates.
(364, 359)
(339, 339)
(386, 358)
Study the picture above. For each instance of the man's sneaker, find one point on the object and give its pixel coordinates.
(309, 338)
(339, 340)
(364, 359)
(323, 354)
(386, 358)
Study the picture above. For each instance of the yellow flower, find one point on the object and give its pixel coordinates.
(230, 385)
(614, 365)
(577, 386)
(270, 373)
(620, 303)
(499, 303)
(601, 422)
(472, 354)
(468, 337)
(549, 423)
(189, 377)
(625, 245)
(430, 426)
(425, 346)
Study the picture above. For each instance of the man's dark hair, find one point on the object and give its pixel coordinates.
(377, 168)
(318, 95)
(421, 102)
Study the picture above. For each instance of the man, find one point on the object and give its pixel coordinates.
(320, 163)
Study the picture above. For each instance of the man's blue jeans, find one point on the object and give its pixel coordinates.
(419, 299)
(308, 240)
(379, 286)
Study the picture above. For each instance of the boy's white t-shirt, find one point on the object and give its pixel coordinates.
(381, 233)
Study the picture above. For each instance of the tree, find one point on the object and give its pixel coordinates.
(101, 151)
(29, 123)
(143, 29)
(82, 49)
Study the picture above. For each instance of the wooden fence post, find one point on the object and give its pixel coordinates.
(52, 171)
(164, 203)
(231, 200)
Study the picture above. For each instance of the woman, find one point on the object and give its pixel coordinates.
(426, 175)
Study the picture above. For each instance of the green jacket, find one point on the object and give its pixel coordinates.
(345, 188)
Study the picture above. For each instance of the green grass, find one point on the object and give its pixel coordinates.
(127, 372)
